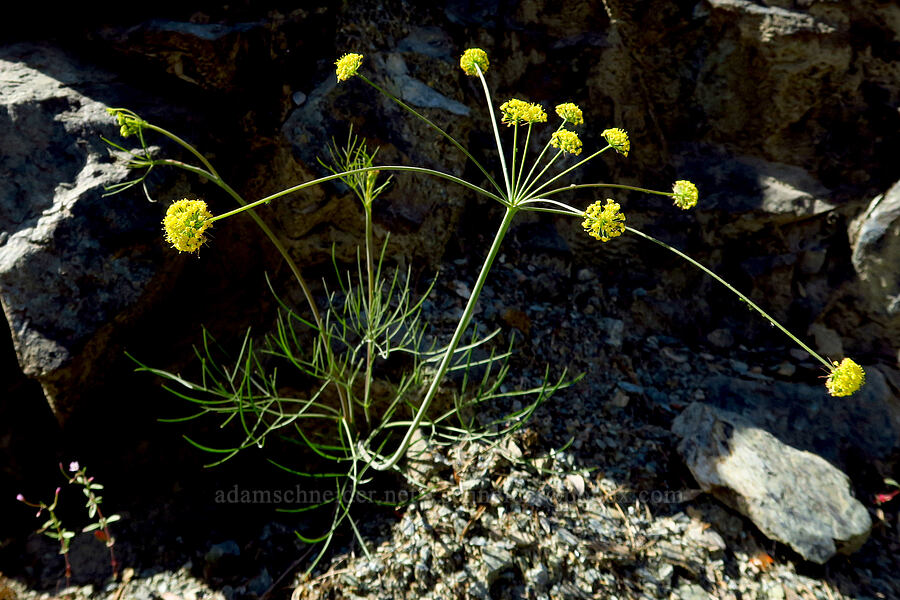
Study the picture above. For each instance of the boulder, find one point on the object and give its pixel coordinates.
(861, 427)
(875, 239)
(792, 496)
(73, 264)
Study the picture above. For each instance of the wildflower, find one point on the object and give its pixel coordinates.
(567, 141)
(347, 65)
(74, 466)
(845, 378)
(618, 139)
(570, 113)
(517, 112)
(471, 58)
(685, 194)
(603, 222)
(185, 223)
(129, 124)
(20, 497)
(886, 496)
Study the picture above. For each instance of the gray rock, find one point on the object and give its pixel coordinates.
(866, 424)
(721, 338)
(537, 577)
(496, 558)
(72, 263)
(828, 341)
(261, 583)
(612, 331)
(792, 496)
(226, 548)
(761, 192)
(875, 238)
(418, 211)
(416, 92)
(193, 52)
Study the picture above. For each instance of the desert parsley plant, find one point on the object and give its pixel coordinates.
(360, 411)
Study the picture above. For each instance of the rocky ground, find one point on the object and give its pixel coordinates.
(589, 499)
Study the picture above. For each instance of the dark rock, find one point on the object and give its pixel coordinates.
(495, 559)
(792, 496)
(875, 236)
(73, 265)
(863, 426)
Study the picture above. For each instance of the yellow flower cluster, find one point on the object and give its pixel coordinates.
(347, 65)
(685, 194)
(845, 378)
(567, 141)
(618, 139)
(570, 113)
(603, 222)
(472, 57)
(517, 112)
(186, 223)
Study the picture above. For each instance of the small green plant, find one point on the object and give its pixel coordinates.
(371, 380)
(100, 526)
(53, 527)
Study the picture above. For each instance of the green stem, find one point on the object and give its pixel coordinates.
(569, 170)
(451, 349)
(184, 145)
(487, 95)
(295, 270)
(370, 274)
(552, 211)
(537, 161)
(541, 174)
(282, 250)
(512, 164)
(435, 127)
(732, 288)
(605, 185)
(570, 210)
(307, 184)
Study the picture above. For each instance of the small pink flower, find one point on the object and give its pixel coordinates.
(886, 497)
(74, 466)
(20, 497)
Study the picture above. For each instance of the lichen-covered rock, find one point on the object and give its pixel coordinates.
(792, 496)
